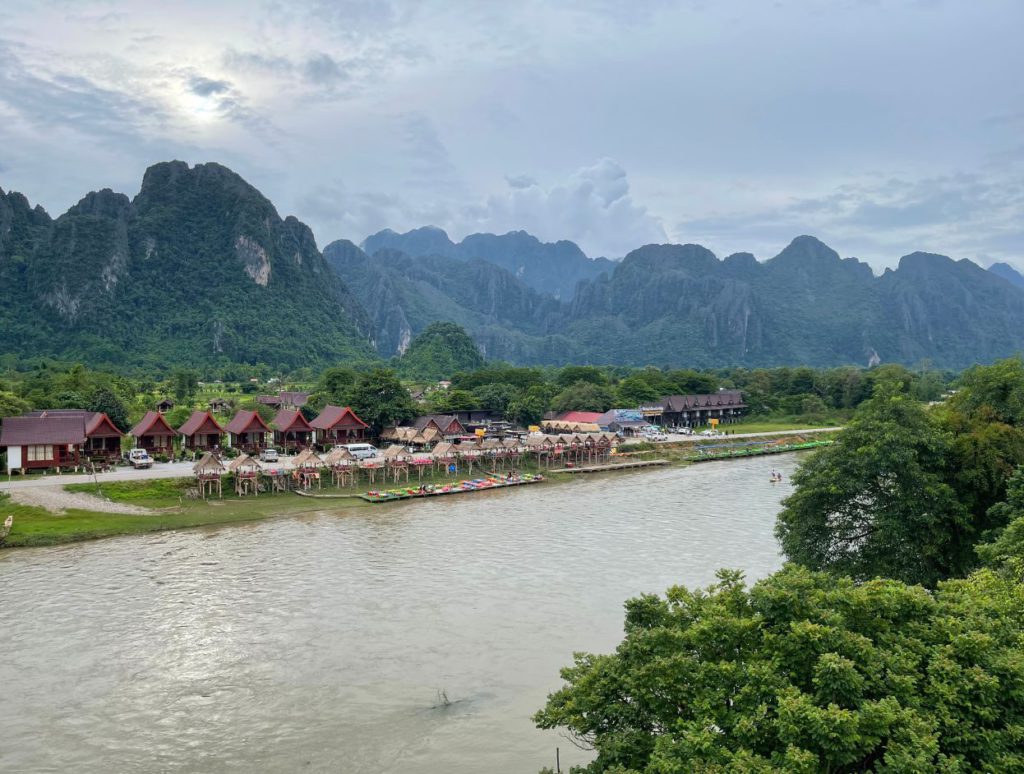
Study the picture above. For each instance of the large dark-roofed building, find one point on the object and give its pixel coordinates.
(694, 410)
(44, 441)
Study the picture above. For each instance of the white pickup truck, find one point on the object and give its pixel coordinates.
(139, 458)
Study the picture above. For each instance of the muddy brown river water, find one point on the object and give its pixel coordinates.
(327, 642)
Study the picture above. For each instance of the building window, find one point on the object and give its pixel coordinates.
(40, 453)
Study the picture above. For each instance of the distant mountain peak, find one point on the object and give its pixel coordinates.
(1008, 273)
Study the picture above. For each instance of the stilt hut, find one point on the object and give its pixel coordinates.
(209, 471)
(396, 461)
(342, 465)
(307, 469)
(444, 455)
(513, 450)
(543, 446)
(291, 430)
(247, 475)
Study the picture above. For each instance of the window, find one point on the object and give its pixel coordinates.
(39, 453)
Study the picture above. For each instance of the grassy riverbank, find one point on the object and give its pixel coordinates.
(169, 508)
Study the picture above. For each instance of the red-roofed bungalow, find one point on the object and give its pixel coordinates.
(154, 434)
(201, 432)
(102, 437)
(339, 425)
(291, 430)
(247, 431)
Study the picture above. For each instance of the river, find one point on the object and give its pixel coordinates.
(328, 642)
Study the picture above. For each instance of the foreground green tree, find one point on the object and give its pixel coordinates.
(805, 672)
(877, 502)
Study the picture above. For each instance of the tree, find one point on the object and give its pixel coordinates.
(440, 350)
(805, 672)
(877, 502)
(184, 382)
(496, 397)
(11, 405)
(333, 387)
(445, 401)
(583, 396)
(573, 373)
(381, 400)
(530, 408)
(105, 400)
(637, 390)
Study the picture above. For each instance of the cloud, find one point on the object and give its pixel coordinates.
(206, 87)
(593, 208)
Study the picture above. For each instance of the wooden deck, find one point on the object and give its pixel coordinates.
(612, 466)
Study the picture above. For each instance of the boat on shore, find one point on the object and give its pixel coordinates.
(5, 530)
(457, 487)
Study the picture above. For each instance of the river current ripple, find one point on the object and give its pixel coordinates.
(327, 642)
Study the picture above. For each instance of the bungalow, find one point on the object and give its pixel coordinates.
(201, 432)
(153, 434)
(338, 425)
(291, 430)
(165, 405)
(284, 399)
(45, 441)
(219, 405)
(247, 431)
(693, 410)
(102, 436)
(448, 425)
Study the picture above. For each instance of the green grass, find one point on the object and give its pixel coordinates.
(154, 493)
(772, 424)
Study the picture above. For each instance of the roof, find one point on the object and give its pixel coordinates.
(287, 419)
(307, 458)
(333, 416)
(99, 425)
(153, 424)
(444, 449)
(243, 420)
(443, 421)
(195, 422)
(396, 452)
(720, 399)
(269, 400)
(590, 417)
(209, 464)
(337, 455)
(243, 462)
(297, 399)
(28, 431)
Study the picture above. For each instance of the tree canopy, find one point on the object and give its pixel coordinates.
(804, 672)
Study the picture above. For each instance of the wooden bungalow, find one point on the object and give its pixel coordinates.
(102, 438)
(337, 425)
(219, 405)
(165, 405)
(45, 441)
(154, 434)
(247, 431)
(447, 425)
(247, 475)
(209, 471)
(291, 430)
(201, 432)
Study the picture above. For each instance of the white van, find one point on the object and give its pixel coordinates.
(361, 451)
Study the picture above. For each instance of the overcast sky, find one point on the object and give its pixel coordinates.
(880, 127)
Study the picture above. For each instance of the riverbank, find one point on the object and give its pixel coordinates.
(150, 505)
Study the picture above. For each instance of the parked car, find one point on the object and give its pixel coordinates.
(709, 433)
(269, 455)
(139, 458)
(361, 451)
(685, 431)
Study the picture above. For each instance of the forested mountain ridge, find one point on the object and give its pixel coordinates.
(675, 305)
(199, 268)
(554, 268)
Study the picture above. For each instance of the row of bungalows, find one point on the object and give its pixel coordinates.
(725, 406)
(427, 430)
(291, 431)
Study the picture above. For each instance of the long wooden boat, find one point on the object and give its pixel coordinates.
(457, 487)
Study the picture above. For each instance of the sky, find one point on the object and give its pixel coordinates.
(880, 127)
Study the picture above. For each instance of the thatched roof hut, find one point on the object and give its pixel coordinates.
(338, 456)
(308, 458)
(243, 463)
(444, 450)
(397, 453)
(209, 465)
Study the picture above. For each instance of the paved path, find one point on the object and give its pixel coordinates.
(677, 437)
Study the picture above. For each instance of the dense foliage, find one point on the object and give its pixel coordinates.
(806, 673)
(442, 349)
